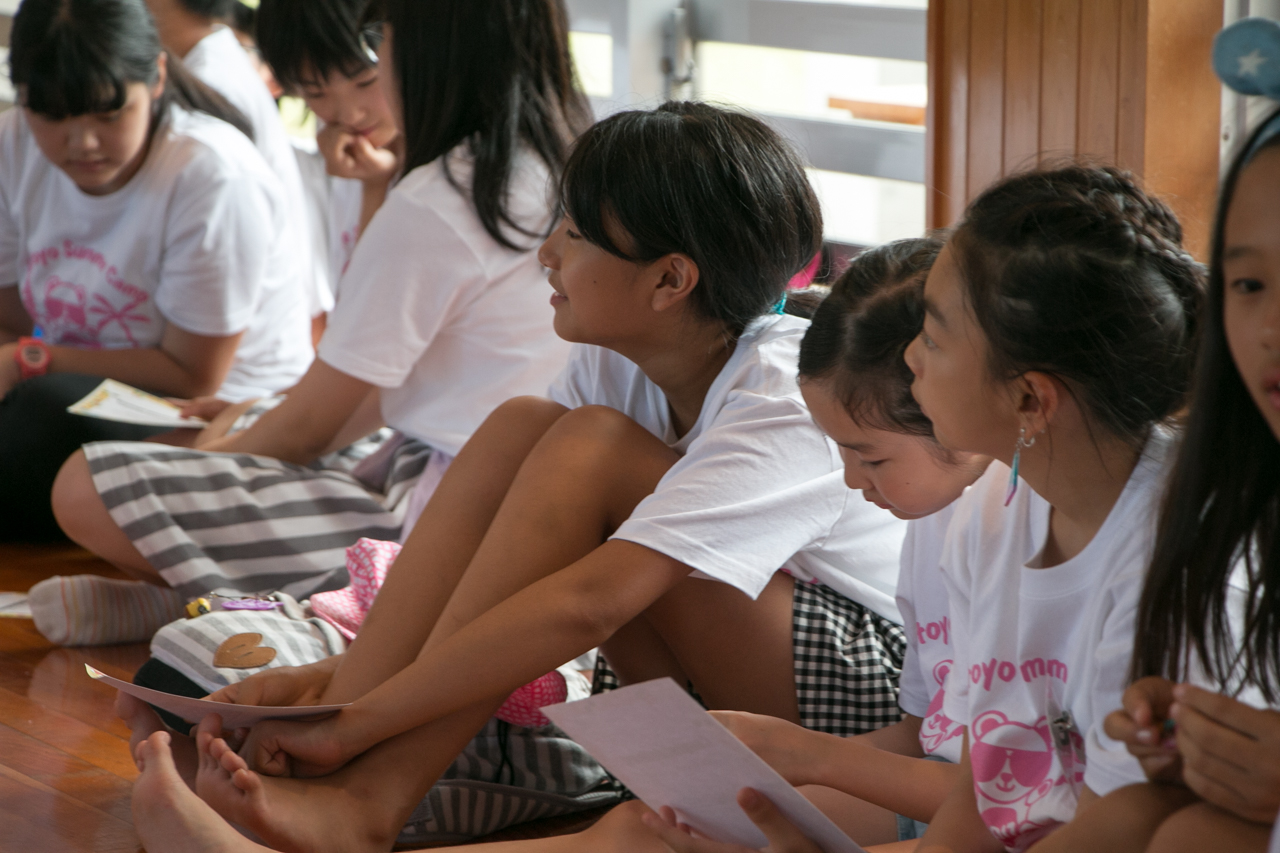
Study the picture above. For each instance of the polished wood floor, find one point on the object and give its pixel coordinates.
(65, 769)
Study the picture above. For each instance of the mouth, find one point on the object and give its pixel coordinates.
(1271, 387)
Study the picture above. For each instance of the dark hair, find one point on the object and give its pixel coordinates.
(495, 74)
(1222, 507)
(716, 185)
(74, 57)
(304, 41)
(219, 10)
(1076, 272)
(244, 19)
(856, 341)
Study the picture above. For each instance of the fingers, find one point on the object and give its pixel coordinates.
(1226, 711)
(1203, 740)
(782, 833)
(205, 408)
(681, 841)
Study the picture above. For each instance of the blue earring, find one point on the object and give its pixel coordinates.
(1017, 458)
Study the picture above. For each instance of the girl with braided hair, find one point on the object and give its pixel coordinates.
(1058, 339)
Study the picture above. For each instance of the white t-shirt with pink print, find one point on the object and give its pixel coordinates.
(922, 601)
(1041, 655)
(189, 240)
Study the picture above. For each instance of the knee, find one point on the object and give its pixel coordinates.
(75, 500)
(601, 429)
(1191, 829)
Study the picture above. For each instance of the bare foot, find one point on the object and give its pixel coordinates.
(168, 816)
(295, 815)
(143, 722)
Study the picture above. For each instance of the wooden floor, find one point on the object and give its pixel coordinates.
(65, 769)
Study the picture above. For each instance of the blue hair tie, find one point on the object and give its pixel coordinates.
(780, 307)
(1246, 58)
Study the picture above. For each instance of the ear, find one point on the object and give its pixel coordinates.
(1041, 397)
(162, 75)
(677, 276)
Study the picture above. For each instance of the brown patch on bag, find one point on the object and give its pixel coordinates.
(243, 652)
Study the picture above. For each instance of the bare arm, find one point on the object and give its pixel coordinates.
(957, 827)
(14, 319)
(316, 415)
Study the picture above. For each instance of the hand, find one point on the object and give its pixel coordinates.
(222, 422)
(1140, 726)
(794, 752)
(1230, 752)
(350, 155)
(298, 749)
(10, 374)
(782, 834)
(284, 685)
(205, 408)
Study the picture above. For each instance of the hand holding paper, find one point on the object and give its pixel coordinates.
(195, 710)
(115, 401)
(671, 753)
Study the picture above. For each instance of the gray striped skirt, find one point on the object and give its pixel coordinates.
(252, 524)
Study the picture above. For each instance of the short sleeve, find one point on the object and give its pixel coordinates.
(409, 269)
(755, 488)
(219, 241)
(1108, 764)
(574, 386)
(955, 576)
(913, 690)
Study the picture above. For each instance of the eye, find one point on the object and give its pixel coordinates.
(926, 340)
(571, 234)
(873, 463)
(1247, 285)
(109, 118)
(365, 84)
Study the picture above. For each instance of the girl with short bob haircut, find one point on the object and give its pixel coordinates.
(676, 442)
(445, 319)
(136, 236)
(319, 50)
(1207, 657)
(1058, 338)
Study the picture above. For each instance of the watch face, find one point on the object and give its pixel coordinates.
(33, 356)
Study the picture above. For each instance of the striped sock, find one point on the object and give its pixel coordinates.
(87, 610)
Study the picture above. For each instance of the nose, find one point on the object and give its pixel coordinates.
(912, 356)
(81, 138)
(854, 478)
(549, 251)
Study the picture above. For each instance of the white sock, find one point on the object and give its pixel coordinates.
(87, 610)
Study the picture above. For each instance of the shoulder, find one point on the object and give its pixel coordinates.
(201, 152)
(17, 144)
(766, 358)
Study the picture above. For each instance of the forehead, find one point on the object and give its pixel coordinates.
(1253, 216)
(830, 414)
(942, 291)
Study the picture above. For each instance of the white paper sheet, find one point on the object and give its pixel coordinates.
(195, 710)
(670, 752)
(115, 401)
(14, 605)
(1275, 839)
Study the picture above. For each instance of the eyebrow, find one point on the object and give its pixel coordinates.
(931, 308)
(1233, 252)
(859, 447)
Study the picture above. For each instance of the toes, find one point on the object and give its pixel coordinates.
(230, 761)
(247, 781)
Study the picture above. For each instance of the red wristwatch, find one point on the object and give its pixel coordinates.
(32, 356)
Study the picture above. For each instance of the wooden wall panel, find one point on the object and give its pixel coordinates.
(1127, 82)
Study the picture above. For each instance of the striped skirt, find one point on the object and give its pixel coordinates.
(252, 524)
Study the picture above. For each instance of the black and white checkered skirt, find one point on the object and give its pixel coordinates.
(847, 662)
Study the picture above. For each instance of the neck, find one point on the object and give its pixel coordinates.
(1081, 474)
(179, 29)
(683, 363)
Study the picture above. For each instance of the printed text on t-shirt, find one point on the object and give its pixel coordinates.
(1006, 671)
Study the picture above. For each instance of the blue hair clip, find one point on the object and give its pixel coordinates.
(1246, 58)
(780, 307)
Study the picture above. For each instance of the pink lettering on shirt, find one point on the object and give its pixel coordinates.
(940, 630)
(985, 674)
(76, 314)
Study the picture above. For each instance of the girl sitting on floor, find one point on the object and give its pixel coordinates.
(445, 318)
(1208, 616)
(137, 232)
(648, 508)
(1058, 339)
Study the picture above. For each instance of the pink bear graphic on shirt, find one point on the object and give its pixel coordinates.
(937, 728)
(1012, 766)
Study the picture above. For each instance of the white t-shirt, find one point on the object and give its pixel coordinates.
(759, 486)
(1031, 644)
(220, 61)
(189, 241)
(440, 316)
(333, 207)
(922, 601)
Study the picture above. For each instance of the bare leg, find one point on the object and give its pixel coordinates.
(862, 821)
(1121, 822)
(172, 819)
(582, 479)
(1202, 827)
(84, 518)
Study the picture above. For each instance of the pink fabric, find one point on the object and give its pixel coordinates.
(345, 609)
(367, 562)
(804, 278)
